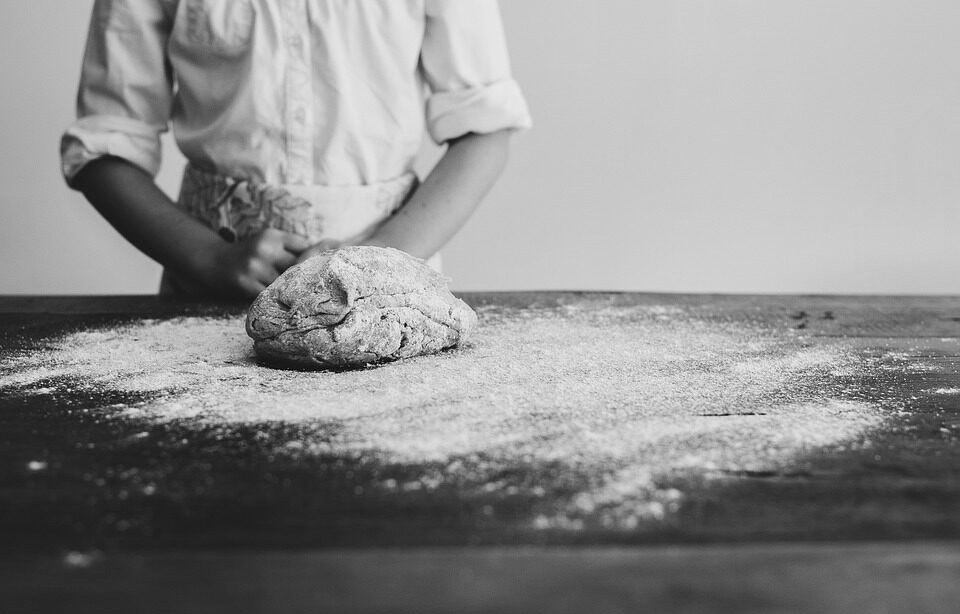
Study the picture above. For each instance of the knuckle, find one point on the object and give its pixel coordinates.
(256, 249)
(247, 266)
(234, 281)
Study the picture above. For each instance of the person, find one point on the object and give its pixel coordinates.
(300, 121)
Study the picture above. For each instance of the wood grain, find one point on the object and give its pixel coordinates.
(788, 578)
(232, 494)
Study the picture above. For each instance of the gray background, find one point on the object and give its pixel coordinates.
(681, 145)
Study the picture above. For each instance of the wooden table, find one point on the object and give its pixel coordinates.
(866, 529)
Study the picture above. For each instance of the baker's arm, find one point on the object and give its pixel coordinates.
(131, 201)
(448, 196)
(112, 152)
(444, 201)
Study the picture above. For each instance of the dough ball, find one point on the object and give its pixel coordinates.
(356, 306)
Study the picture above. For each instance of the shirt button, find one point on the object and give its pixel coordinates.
(295, 43)
(299, 116)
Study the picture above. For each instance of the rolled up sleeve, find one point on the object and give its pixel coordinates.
(126, 87)
(467, 67)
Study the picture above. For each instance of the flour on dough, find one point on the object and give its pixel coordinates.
(356, 306)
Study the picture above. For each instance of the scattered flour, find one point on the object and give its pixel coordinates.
(627, 396)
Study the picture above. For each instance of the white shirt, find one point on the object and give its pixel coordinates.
(302, 92)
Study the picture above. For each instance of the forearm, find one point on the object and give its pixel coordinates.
(133, 204)
(448, 196)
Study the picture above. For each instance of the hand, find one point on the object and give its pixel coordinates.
(322, 246)
(246, 267)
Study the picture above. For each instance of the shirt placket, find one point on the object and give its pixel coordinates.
(298, 118)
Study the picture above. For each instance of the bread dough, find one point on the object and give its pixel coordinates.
(355, 306)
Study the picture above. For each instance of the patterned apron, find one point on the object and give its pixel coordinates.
(239, 208)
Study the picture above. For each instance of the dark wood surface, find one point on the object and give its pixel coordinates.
(746, 579)
(63, 540)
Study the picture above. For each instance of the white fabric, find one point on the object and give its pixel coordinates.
(292, 92)
(241, 208)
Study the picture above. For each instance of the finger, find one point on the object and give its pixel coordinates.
(328, 244)
(291, 242)
(295, 244)
(283, 260)
(263, 272)
(310, 253)
(270, 246)
(251, 288)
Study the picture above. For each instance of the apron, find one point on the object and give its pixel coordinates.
(238, 208)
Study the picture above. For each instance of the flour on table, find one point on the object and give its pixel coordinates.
(629, 397)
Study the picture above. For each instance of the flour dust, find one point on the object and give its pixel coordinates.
(627, 397)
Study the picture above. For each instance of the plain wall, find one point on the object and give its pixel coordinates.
(679, 145)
